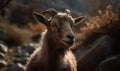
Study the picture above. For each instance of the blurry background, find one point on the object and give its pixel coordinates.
(19, 11)
(20, 33)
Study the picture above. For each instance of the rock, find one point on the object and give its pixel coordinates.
(9, 65)
(2, 32)
(3, 64)
(20, 55)
(24, 54)
(1, 42)
(3, 48)
(19, 60)
(97, 52)
(23, 61)
(16, 59)
(36, 38)
(110, 64)
(29, 48)
(2, 55)
(16, 67)
(19, 50)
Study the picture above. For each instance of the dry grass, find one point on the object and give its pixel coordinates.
(36, 27)
(95, 5)
(106, 22)
(13, 35)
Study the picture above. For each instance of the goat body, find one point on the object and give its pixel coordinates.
(54, 53)
(49, 58)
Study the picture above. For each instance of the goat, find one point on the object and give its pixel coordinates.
(54, 53)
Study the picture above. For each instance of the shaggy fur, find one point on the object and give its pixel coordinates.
(54, 53)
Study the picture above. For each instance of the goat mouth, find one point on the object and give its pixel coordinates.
(70, 42)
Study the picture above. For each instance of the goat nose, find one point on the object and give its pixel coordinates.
(71, 37)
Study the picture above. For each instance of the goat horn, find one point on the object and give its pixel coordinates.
(67, 11)
(52, 12)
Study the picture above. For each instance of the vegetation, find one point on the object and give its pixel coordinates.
(107, 22)
(13, 35)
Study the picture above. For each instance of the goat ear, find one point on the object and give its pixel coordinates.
(79, 19)
(40, 18)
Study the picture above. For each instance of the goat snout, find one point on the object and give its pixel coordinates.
(70, 37)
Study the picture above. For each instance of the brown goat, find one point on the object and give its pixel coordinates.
(54, 53)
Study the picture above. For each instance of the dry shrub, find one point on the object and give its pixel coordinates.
(95, 5)
(106, 22)
(13, 35)
(36, 27)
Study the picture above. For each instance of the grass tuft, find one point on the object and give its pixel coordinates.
(13, 35)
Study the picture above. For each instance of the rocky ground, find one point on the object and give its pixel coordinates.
(13, 58)
(98, 58)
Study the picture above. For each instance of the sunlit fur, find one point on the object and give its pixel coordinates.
(54, 53)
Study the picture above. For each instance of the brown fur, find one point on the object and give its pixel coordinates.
(54, 53)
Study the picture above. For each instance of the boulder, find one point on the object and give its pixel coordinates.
(3, 48)
(2, 55)
(16, 67)
(29, 48)
(36, 38)
(110, 64)
(98, 51)
(3, 64)
(20, 60)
